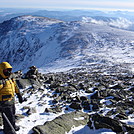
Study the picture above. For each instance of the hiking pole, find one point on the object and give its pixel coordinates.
(9, 123)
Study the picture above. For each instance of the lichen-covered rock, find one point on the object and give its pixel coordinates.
(62, 124)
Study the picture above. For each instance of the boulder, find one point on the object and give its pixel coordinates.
(75, 105)
(97, 121)
(62, 124)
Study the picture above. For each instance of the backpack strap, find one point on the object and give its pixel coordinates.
(3, 82)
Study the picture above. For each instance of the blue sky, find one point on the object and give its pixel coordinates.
(70, 4)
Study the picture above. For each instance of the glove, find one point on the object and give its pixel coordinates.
(20, 98)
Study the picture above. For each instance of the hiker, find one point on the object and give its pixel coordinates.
(8, 88)
(32, 73)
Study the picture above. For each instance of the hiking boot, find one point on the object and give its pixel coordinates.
(17, 128)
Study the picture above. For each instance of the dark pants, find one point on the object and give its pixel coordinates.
(8, 107)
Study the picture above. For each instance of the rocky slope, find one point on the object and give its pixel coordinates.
(88, 97)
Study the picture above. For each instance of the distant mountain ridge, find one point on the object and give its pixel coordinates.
(45, 42)
(66, 15)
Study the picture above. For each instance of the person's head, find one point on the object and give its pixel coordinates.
(5, 69)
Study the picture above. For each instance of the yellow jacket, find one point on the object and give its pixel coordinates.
(8, 86)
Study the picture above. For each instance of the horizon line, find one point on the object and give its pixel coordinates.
(68, 9)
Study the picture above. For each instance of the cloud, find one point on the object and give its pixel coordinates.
(118, 23)
(72, 4)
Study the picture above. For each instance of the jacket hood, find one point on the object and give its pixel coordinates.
(4, 65)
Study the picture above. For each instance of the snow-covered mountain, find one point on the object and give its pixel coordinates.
(8, 13)
(45, 42)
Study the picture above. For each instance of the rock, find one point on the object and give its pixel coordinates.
(99, 122)
(18, 117)
(121, 116)
(31, 111)
(75, 105)
(131, 132)
(55, 85)
(130, 129)
(23, 83)
(81, 86)
(62, 124)
(86, 105)
(132, 89)
(56, 109)
(94, 95)
(116, 87)
(95, 107)
(83, 98)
